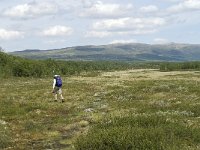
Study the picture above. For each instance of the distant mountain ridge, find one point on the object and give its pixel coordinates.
(119, 52)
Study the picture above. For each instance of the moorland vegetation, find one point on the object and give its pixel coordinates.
(108, 105)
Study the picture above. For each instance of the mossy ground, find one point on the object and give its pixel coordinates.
(109, 106)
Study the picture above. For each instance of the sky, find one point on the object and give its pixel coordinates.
(52, 24)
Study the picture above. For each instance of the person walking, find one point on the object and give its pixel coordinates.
(57, 88)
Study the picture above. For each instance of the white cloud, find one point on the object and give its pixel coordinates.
(101, 10)
(31, 10)
(98, 34)
(129, 24)
(10, 34)
(102, 34)
(87, 3)
(149, 9)
(123, 41)
(173, 0)
(160, 41)
(137, 32)
(57, 31)
(133, 32)
(187, 5)
(125, 26)
(55, 41)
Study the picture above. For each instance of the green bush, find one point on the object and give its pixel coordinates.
(173, 66)
(138, 132)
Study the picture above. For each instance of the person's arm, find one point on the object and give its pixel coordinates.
(54, 83)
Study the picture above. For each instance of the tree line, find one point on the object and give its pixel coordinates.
(21, 67)
(176, 66)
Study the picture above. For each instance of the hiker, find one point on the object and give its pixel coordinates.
(57, 87)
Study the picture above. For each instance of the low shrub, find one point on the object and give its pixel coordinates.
(138, 132)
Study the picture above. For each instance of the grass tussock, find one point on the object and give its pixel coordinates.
(139, 132)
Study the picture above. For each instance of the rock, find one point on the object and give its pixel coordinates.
(2, 122)
(89, 110)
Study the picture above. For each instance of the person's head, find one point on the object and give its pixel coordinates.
(55, 76)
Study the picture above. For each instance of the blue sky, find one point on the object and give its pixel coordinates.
(50, 24)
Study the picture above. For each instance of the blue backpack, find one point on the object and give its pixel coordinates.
(58, 81)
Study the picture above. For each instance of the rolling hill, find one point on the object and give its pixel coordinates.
(121, 52)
